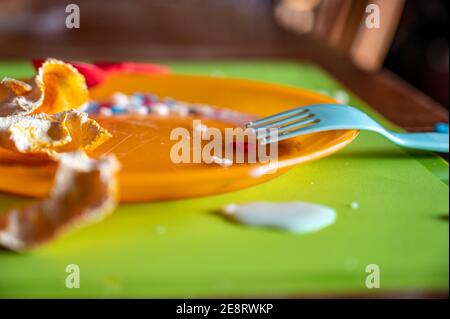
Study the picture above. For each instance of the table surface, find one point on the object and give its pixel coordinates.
(180, 248)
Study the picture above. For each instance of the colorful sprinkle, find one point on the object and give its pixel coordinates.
(147, 103)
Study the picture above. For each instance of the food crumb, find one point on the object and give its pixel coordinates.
(201, 128)
(341, 96)
(354, 205)
(161, 109)
(224, 162)
(105, 111)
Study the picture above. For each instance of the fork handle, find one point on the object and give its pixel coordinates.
(437, 142)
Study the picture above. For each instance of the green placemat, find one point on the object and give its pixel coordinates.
(180, 248)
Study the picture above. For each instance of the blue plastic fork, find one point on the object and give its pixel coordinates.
(329, 117)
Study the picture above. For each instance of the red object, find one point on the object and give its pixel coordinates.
(97, 72)
(132, 67)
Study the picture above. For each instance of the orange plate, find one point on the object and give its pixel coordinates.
(142, 144)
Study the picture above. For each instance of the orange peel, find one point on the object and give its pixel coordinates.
(41, 119)
(85, 190)
(57, 87)
(50, 134)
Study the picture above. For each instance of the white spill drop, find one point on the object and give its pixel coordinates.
(299, 217)
(354, 205)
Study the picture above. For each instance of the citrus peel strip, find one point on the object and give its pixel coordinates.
(50, 134)
(57, 87)
(84, 190)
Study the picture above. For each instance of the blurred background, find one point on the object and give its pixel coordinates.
(412, 41)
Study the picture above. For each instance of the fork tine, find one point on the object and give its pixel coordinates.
(286, 128)
(273, 118)
(279, 123)
(307, 128)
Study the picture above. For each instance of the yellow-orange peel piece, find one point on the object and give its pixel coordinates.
(84, 190)
(41, 119)
(57, 87)
(43, 133)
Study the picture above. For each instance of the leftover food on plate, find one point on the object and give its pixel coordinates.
(41, 118)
